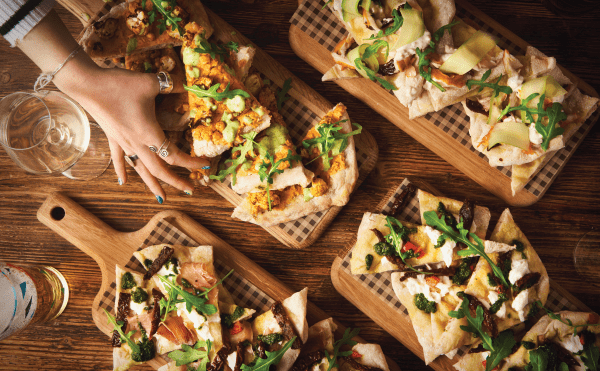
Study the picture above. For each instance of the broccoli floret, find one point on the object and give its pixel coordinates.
(271, 338)
(147, 349)
(139, 295)
(127, 281)
(369, 261)
(425, 305)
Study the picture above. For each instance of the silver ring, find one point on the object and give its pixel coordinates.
(162, 152)
(131, 160)
(165, 82)
(155, 150)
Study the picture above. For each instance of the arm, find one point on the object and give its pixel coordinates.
(121, 101)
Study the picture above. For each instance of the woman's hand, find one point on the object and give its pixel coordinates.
(121, 101)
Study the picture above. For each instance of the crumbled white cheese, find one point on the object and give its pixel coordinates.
(493, 246)
(518, 269)
(166, 272)
(448, 251)
(515, 82)
(520, 302)
(493, 297)
(204, 333)
(137, 307)
(231, 360)
(572, 344)
(433, 234)
(410, 49)
(534, 136)
(418, 285)
(196, 318)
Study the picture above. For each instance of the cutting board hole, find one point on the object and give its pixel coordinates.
(57, 213)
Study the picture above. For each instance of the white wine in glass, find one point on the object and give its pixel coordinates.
(47, 133)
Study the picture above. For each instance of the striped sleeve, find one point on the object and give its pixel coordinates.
(18, 17)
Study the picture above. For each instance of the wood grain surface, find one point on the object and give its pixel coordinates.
(554, 225)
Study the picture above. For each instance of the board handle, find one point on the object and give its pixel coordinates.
(67, 218)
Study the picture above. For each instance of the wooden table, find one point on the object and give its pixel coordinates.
(553, 225)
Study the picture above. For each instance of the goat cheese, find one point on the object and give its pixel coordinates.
(572, 344)
(520, 302)
(534, 136)
(518, 269)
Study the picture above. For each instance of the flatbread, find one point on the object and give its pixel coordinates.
(372, 356)
(338, 192)
(117, 45)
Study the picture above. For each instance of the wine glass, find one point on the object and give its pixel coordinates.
(587, 254)
(47, 133)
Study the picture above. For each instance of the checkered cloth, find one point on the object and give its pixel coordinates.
(244, 293)
(299, 120)
(321, 25)
(381, 282)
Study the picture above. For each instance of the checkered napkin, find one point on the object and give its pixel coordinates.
(381, 283)
(245, 294)
(321, 25)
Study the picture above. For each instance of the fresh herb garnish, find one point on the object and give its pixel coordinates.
(229, 319)
(270, 167)
(591, 353)
(282, 94)
(391, 29)
(424, 63)
(330, 140)
(368, 261)
(495, 86)
(422, 303)
(233, 46)
(499, 347)
(397, 242)
(464, 271)
(462, 236)
(360, 65)
(168, 19)
(345, 340)
(127, 281)
(270, 339)
(190, 354)
(214, 94)
(327, 3)
(216, 51)
(124, 337)
(566, 321)
(495, 307)
(244, 149)
(549, 131)
(273, 358)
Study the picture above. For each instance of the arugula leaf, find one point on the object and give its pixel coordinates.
(168, 19)
(555, 115)
(476, 248)
(360, 65)
(273, 358)
(127, 337)
(244, 149)
(395, 26)
(591, 354)
(217, 51)
(538, 360)
(374, 48)
(214, 94)
(563, 367)
(267, 172)
(502, 345)
(233, 46)
(326, 142)
(495, 86)
(345, 340)
(281, 96)
(191, 354)
(424, 63)
(190, 299)
(397, 243)
(521, 107)
(567, 321)
(327, 3)
(474, 324)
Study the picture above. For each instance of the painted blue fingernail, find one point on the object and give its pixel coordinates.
(120, 181)
(159, 199)
(205, 167)
(189, 193)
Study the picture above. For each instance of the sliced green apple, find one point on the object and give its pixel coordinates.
(469, 54)
(543, 85)
(412, 28)
(510, 132)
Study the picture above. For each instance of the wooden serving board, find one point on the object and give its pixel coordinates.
(421, 129)
(396, 324)
(299, 91)
(109, 248)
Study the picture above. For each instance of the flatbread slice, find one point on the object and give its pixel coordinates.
(223, 114)
(519, 262)
(320, 339)
(126, 28)
(371, 355)
(295, 309)
(330, 187)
